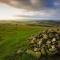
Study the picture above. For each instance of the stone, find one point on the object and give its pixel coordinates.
(45, 42)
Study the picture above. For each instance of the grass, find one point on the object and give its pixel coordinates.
(13, 37)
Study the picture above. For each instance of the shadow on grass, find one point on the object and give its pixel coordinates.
(25, 56)
(20, 56)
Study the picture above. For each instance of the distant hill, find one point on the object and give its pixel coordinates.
(35, 22)
(48, 23)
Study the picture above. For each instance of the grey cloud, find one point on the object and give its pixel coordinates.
(29, 4)
(26, 4)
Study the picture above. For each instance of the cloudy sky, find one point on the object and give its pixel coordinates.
(30, 9)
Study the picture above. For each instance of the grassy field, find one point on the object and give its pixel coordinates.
(13, 37)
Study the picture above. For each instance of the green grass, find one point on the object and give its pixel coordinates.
(13, 37)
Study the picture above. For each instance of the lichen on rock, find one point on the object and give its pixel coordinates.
(46, 42)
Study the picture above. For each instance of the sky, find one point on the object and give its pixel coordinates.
(30, 9)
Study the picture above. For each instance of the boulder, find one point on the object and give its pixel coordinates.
(46, 42)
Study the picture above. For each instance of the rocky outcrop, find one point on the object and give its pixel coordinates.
(44, 43)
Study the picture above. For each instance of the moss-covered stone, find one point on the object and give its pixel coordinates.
(44, 43)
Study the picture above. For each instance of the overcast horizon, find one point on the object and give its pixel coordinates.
(30, 9)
